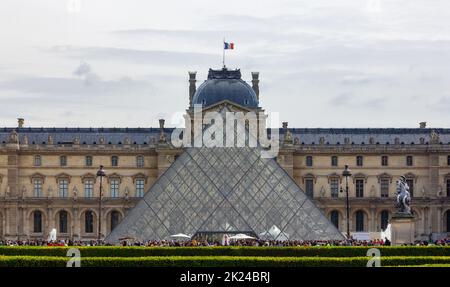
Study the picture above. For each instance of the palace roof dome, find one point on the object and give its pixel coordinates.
(222, 85)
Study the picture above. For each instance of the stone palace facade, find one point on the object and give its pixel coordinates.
(48, 175)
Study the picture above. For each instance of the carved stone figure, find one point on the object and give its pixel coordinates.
(50, 139)
(434, 137)
(403, 196)
(322, 191)
(288, 136)
(13, 137)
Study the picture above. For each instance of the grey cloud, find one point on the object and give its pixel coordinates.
(72, 89)
(135, 56)
(342, 99)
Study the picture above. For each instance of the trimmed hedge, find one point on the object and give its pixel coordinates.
(314, 251)
(217, 261)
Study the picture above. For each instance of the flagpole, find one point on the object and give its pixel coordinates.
(223, 56)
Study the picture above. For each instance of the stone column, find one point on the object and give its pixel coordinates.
(75, 225)
(373, 220)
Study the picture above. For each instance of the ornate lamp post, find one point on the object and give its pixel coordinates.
(100, 173)
(346, 173)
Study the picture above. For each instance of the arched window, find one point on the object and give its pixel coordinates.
(115, 218)
(114, 160)
(63, 218)
(359, 221)
(384, 219)
(448, 220)
(88, 222)
(334, 217)
(448, 187)
(37, 160)
(37, 221)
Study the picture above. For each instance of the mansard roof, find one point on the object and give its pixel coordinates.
(306, 136)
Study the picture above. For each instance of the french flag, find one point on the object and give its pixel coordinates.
(228, 46)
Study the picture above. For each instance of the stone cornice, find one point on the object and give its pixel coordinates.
(63, 175)
(381, 149)
(93, 150)
(37, 175)
(139, 175)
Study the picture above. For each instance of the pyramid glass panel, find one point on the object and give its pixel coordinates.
(225, 190)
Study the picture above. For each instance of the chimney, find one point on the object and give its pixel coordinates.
(192, 87)
(255, 83)
(162, 135)
(423, 125)
(20, 122)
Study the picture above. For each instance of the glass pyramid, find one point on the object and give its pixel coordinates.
(224, 189)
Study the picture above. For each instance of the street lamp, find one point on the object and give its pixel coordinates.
(346, 173)
(100, 173)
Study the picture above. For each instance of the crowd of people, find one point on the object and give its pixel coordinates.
(193, 242)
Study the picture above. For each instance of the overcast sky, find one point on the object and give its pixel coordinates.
(361, 63)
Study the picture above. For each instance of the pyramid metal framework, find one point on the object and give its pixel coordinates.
(225, 189)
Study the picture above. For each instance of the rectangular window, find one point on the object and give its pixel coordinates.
(37, 187)
(359, 160)
(448, 160)
(114, 188)
(37, 160)
(334, 186)
(309, 187)
(114, 161)
(384, 160)
(384, 187)
(139, 161)
(63, 187)
(88, 188)
(359, 187)
(334, 161)
(139, 187)
(409, 160)
(63, 160)
(410, 183)
(88, 160)
(309, 161)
